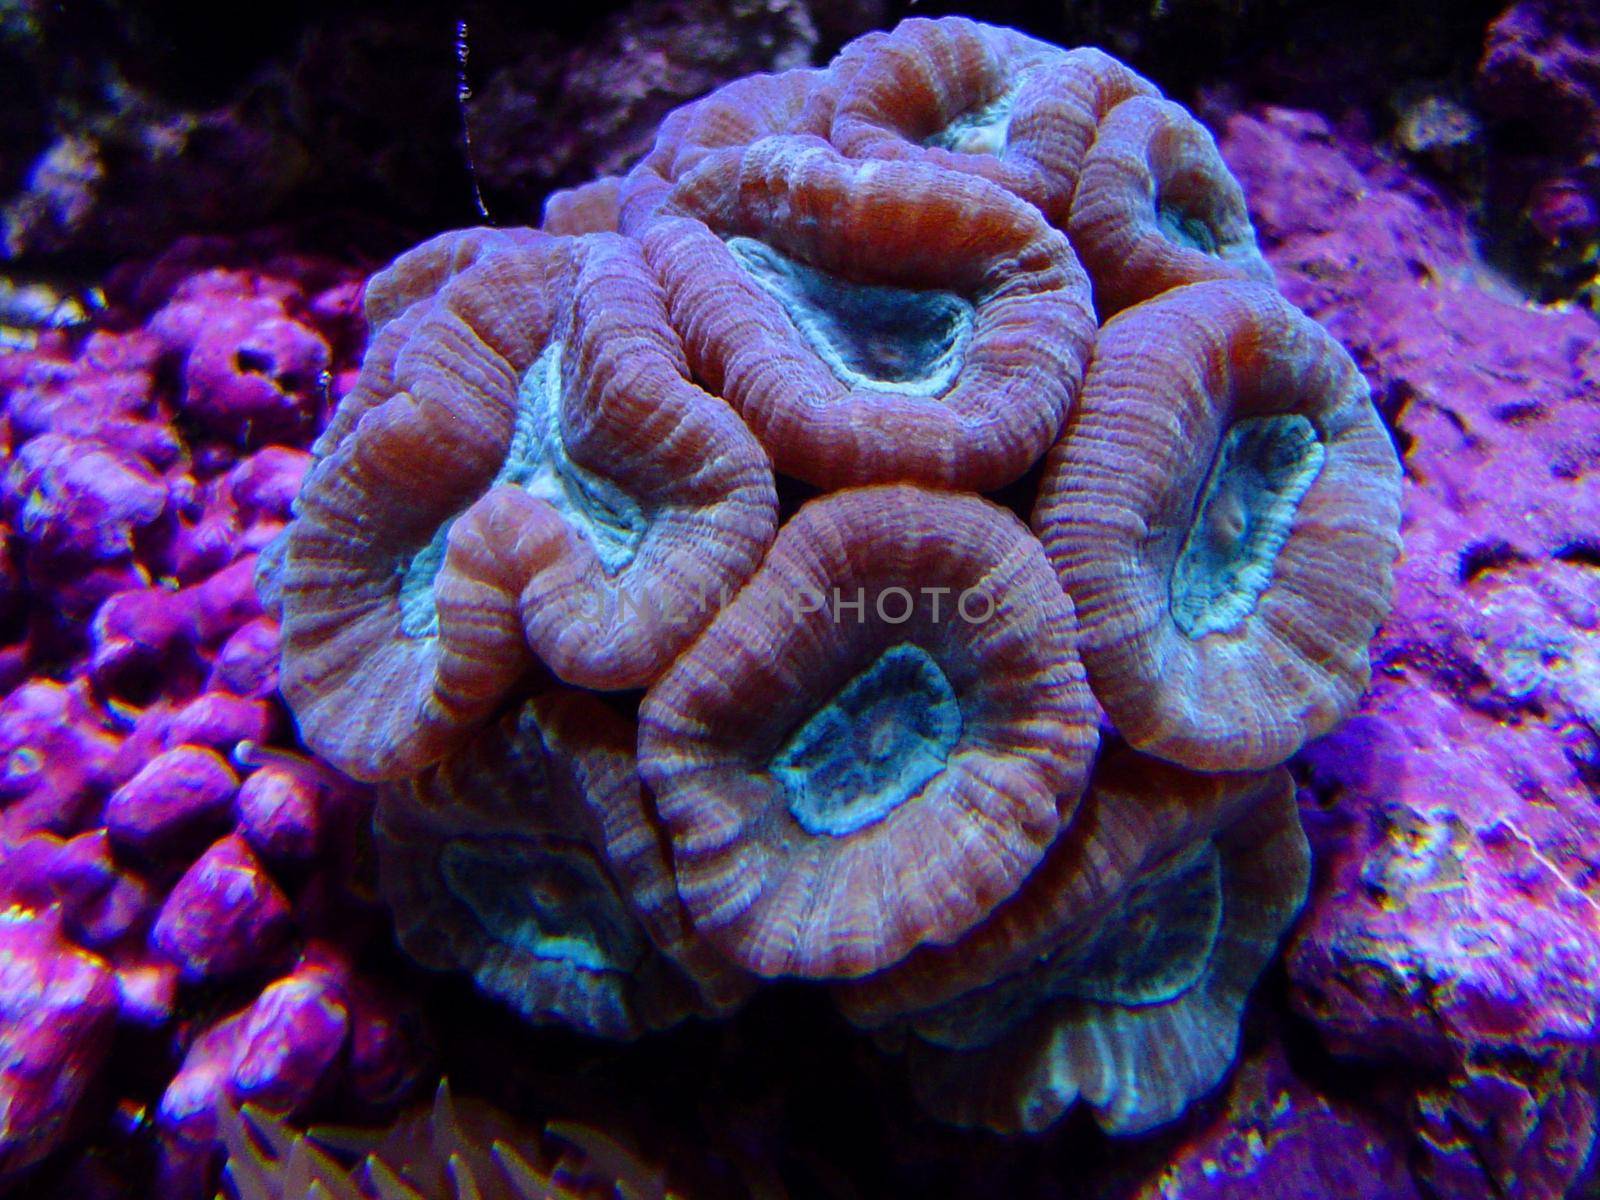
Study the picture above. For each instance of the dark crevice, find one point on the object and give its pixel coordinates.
(253, 362)
(1482, 557)
(1582, 553)
(1520, 412)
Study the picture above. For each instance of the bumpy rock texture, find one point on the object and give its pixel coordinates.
(161, 836)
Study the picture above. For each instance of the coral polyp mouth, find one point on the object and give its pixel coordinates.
(1136, 1010)
(554, 904)
(827, 818)
(982, 129)
(1246, 510)
(1183, 228)
(526, 860)
(873, 322)
(1149, 952)
(870, 335)
(419, 614)
(1159, 946)
(1156, 208)
(538, 462)
(1260, 562)
(872, 747)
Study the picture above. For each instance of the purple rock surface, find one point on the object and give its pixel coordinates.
(176, 793)
(58, 1009)
(1453, 928)
(225, 915)
(1276, 1136)
(155, 888)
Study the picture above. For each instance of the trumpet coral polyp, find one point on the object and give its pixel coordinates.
(1232, 558)
(873, 322)
(845, 783)
(983, 129)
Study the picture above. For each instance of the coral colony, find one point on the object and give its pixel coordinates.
(556, 477)
(888, 545)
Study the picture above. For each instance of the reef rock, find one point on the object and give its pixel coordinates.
(562, 112)
(136, 126)
(1453, 929)
(1272, 1135)
(141, 726)
(1540, 76)
(58, 1010)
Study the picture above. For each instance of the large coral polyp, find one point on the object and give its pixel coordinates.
(873, 322)
(1226, 596)
(845, 784)
(526, 858)
(526, 470)
(864, 737)
(1129, 998)
(980, 100)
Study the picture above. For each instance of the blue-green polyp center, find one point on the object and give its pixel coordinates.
(980, 130)
(1243, 519)
(889, 339)
(1152, 949)
(872, 747)
(537, 461)
(1183, 228)
(545, 902)
(1158, 946)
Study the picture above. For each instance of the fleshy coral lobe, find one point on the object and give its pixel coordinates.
(908, 761)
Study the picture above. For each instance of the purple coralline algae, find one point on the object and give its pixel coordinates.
(179, 791)
(58, 1011)
(225, 915)
(317, 1033)
(250, 370)
(1453, 925)
(171, 870)
(1276, 1137)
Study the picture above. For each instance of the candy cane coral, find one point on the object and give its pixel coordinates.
(853, 745)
